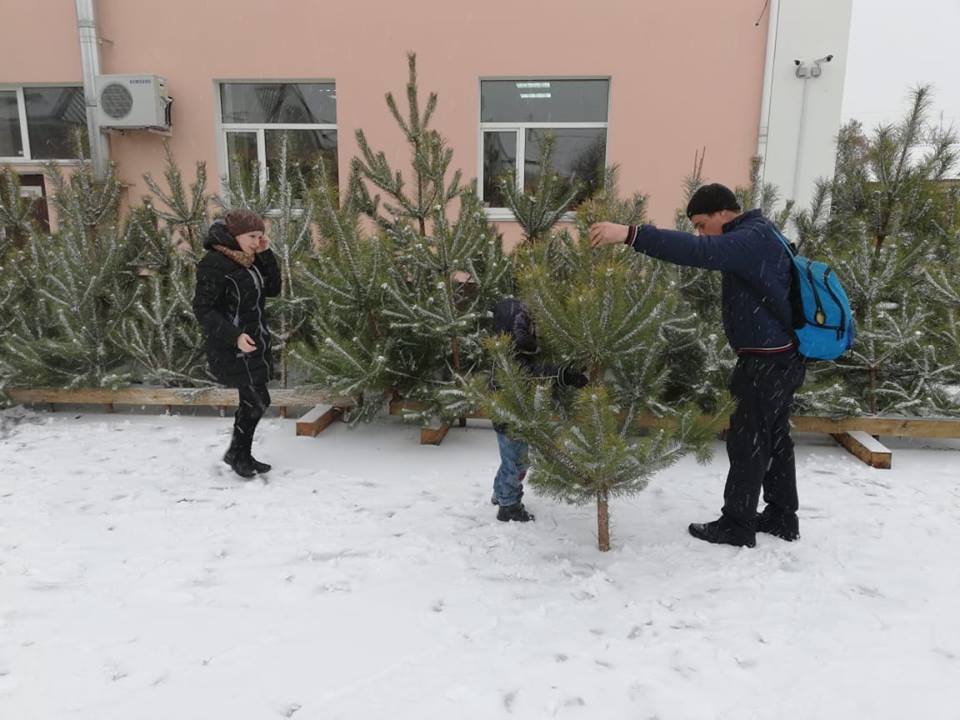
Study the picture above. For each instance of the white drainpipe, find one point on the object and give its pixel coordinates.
(773, 23)
(90, 59)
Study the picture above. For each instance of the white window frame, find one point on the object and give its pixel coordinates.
(501, 213)
(260, 128)
(27, 157)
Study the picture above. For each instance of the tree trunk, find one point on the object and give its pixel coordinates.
(455, 346)
(455, 342)
(603, 522)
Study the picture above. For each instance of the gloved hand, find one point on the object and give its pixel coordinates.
(572, 377)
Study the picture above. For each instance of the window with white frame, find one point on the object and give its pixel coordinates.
(41, 122)
(515, 117)
(254, 118)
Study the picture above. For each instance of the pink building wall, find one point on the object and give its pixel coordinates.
(684, 74)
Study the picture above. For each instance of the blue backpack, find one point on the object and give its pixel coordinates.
(822, 322)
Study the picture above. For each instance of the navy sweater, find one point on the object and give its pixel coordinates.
(754, 264)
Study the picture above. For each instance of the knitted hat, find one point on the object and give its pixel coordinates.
(710, 199)
(240, 222)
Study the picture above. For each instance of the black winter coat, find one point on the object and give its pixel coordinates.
(231, 299)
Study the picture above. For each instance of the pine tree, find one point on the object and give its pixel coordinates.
(16, 213)
(604, 312)
(945, 293)
(890, 221)
(78, 284)
(449, 267)
(242, 189)
(350, 348)
(553, 195)
(184, 213)
(159, 332)
(291, 239)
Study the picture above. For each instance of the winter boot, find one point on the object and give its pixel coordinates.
(775, 521)
(517, 513)
(261, 467)
(723, 532)
(238, 458)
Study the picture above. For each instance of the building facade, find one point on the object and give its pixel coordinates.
(640, 85)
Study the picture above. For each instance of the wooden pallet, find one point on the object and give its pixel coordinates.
(318, 419)
(856, 434)
(866, 447)
(168, 398)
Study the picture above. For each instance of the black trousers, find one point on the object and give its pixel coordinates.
(758, 443)
(254, 401)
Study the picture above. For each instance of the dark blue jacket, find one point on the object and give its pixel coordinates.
(754, 264)
(510, 317)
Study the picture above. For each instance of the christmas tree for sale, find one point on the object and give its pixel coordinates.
(603, 311)
(891, 220)
(537, 212)
(16, 214)
(159, 332)
(350, 347)
(944, 287)
(290, 230)
(73, 287)
(448, 266)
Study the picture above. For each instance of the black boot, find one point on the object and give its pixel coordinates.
(723, 532)
(774, 521)
(238, 458)
(260, 467)
(517, 513)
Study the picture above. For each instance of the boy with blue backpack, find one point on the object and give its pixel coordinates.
(778, 311)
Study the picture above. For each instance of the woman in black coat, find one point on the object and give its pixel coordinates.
(234, 278)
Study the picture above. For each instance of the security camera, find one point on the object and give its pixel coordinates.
(825, 58)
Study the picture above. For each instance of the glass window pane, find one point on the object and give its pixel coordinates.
(578, 154)
(11, 143)
(242, 156)
(268, 103)
(499, 156)
(543, 100)
(55, 116)
(305, 148)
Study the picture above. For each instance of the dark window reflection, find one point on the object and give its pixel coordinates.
(274, 103)
(499, 157)
(543, 100)
(56, 118)
(578, 156)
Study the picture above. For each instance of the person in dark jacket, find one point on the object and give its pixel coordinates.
(234, 278)
(510, 317)
(755, 296)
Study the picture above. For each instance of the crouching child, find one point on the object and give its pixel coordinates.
(510, 317)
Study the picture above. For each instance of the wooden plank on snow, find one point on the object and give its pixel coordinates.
(317, 420)
(865, 447)
(872, 425)
(433, 434)
(214, 397)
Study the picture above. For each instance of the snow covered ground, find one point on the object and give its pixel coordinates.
(369, 579)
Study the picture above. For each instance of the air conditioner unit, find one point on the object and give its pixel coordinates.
(133, 101)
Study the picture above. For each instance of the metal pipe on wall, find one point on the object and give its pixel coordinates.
(90, 60)
(773, 31)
